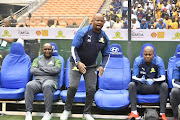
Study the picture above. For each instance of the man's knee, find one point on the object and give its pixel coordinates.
(164, 86)
(132, 85)
(175, 92)
(48, 86)
(91, 89)
(73, 86)
(29, 85)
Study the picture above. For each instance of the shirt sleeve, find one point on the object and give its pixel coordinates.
(136, 70)
(35, 68)
(105, 52)
(176, 72)
(77, 42)
(52, 70)
(161, 67)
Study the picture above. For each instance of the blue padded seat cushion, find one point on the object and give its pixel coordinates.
(112, 99)
(80, 97)
(150, 98)
(6, 93)
(40, 96)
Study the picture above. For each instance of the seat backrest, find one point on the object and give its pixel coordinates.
(15, 71)
(171, 64)
(81, 87)
(56, 55)
(148, 44)
(117, 73)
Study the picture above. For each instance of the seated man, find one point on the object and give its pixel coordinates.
(148, 78)
(175, 92)
(46, 72)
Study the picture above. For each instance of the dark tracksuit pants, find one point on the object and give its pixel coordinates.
(90, 82)
(156, 88)
(175, 100)
(37, 86)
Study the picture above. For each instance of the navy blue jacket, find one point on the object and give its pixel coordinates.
(176, 73)
(87, 44)
(155, 70)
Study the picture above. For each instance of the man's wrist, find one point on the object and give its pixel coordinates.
(77, 63)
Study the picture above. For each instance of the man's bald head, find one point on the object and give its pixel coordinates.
(47, 44)
(150, 48)
(47, 50)
(97, 15)
(98, 22)
(50, 22)
(6, 22)
(148, 54)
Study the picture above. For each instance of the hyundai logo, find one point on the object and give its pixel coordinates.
(54, 49)
(115, 50)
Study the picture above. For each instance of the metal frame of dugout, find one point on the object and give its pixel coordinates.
(4, 110)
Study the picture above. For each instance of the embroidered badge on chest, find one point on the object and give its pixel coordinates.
(50, 63)
(152, 70)
(101, 40)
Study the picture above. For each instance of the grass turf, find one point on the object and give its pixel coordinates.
(15, 117)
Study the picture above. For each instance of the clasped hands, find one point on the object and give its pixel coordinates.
(147, 81)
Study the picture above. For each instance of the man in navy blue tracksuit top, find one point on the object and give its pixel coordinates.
(86, 45)
(148, 78)
(175, 92)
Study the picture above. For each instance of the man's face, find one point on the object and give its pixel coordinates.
(98, 22)
(133, 20)
(117, 19)
(143, 22)
(160, 22)
(148, 55)
(6, 23)
(47, 50)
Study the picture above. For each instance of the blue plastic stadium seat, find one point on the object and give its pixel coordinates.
(171, 64)
(56, 95)
(150, 98)
(113, 84)
(15, 73)
(80, 95)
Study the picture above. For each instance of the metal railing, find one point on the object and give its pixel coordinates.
(85, 22)
(25, 9)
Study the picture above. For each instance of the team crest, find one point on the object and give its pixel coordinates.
(101, 40)
(50, 63)
(75, 69)
(152, 70)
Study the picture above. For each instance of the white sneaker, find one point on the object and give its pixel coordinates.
(28, 116)
(65, 115)
(88, 117)
(47, 116)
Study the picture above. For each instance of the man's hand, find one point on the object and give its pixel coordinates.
(150, 81)
(82, 67)
(143, 80)
(101, 70)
